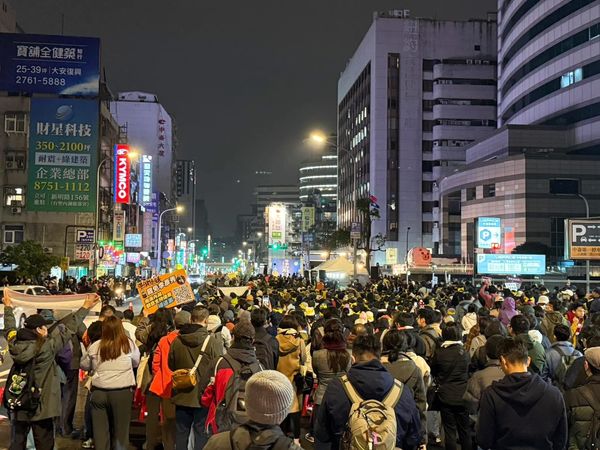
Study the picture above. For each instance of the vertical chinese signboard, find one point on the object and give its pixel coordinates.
(146, 180)
(63, 149)
(62, 65)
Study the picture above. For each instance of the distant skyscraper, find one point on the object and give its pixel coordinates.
(320, 178)
(415, 92)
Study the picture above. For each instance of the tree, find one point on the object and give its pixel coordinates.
(339, 238)
(533, 248)
(31, 260)
(368, 212)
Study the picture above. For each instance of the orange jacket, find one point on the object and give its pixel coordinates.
(162, 380)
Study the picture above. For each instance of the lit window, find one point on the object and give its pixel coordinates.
(14, 196)
(572, 77)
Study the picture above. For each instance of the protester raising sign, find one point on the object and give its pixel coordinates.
(165, 291)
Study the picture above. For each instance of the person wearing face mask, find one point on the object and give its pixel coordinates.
(32, 342)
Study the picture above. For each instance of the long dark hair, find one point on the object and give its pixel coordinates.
(333, 336)
(114, 341)
(162, 323)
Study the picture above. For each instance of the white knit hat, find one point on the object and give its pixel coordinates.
(269, 397)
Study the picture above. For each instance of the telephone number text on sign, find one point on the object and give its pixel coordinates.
(57, 186)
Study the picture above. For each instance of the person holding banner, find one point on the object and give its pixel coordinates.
(32, 342)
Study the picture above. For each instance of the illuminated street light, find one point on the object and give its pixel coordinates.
(318, 137)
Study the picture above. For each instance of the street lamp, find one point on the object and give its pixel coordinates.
(96, 236)
(179, 209)
(587, 261)
(320, 138)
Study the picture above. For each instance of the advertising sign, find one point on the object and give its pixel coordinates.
(63, 148)
(146, 180)
(133, 240)
(122, 174)
(61, 65)
(83, 251)
(499, 264)
(133, 257)
(119, 226)
(583, 239)
(84, 236)
(391, 256)
(308, 218)
(165, 291)
(277, 219)
(489, 232)
(355, 230)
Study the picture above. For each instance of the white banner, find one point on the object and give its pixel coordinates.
(53, 302)
(239, 291)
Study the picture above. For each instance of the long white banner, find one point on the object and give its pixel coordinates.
(53, 302)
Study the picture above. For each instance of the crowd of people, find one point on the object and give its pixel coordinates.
(386, 365)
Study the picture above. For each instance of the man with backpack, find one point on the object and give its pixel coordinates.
(428, 332)
(583, 405)
(368, 406)
(269, 397)
(193, 348)
(267, 347)
(225, 397)
(560, 356)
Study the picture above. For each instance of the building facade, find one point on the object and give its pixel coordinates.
(413, 95)
(319, 178)
(549, 136)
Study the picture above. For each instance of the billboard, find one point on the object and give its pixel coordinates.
(277, 219)
(583, 239)
(146, 180)
(119, 225)
(489, 232)
(60, 65)
(133, 240)
(499, 264)
(308, 218)
(122, 174)
(63, 149)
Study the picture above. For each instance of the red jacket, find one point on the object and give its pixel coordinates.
(161, 384)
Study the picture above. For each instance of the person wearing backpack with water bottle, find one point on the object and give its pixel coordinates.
(32, 393)
(367, 408)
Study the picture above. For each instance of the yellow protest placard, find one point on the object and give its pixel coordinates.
(165, 291)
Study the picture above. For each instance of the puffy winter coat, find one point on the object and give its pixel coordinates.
(162, 381)
(580, 412)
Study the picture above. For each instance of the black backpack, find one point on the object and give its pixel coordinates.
(231, 411)
(566, 361)
(21, 392)
(246, 438)
(592, 440)
(264, 352)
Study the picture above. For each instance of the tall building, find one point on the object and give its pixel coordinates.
(549, 136)
(415, 92)
(320, 178)
(150, 131)
(185, 192)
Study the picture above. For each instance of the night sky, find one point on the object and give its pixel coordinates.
(246, 81)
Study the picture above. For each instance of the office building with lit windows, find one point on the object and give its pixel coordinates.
(548, 139)
(413, 95)
(319, 178)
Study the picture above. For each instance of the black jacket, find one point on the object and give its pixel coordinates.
(267, 349)
(580, 411)
(450, 369)
(522, 411)
(371, 381)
